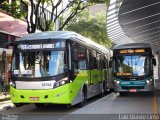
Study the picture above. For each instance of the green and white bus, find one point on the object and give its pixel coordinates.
(132, 67)
(60, 67)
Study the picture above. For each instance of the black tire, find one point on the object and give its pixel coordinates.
(106, 89)
(151, 93)
(103, 91)
(39, 105)
(84, 100)
(17, 104)
(68, 106)
(122, 93)
(113, 90)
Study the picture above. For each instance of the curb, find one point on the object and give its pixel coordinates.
(7, 108)
(5, 99)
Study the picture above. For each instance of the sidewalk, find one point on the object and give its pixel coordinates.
(4, 96)
(157, 87)
(5, 102)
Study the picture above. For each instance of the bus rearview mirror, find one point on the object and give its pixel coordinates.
(110, 63)
(154, 61)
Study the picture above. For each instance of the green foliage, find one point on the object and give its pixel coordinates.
(13, 9)
(93, 27)
(34, 20)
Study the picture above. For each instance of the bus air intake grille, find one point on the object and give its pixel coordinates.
(132, 87)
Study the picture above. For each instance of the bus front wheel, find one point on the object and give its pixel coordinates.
(18, 104)
(84, 99)
(40, 105)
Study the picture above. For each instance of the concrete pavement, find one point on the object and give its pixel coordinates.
(111, 107)
(157, 95)
(129, 106)
(5, 102)
(4, 105)
(4, 96)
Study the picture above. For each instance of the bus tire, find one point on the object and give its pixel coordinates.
(106, 88)
(84, 99)
(151, 93)
(122, 93)
(67, 106)
(39, 105)
(17, 105)
(103, 90)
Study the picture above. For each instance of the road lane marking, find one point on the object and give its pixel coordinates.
(72, 113)
(155, 104)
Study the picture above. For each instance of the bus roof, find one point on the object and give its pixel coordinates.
(47, 35)
(62, 35)
(132, 45)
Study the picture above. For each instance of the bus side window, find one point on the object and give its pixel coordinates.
(110, 62)
(74, 58)
(105, 64)
(95, 66)
(98, 61)
(90, 60)
(154, 61)
(82, 58)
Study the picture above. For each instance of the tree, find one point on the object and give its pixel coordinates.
(12, 9)
(93, 27)
(37, 16)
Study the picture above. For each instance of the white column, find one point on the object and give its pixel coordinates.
(158, 64)
(156, 67)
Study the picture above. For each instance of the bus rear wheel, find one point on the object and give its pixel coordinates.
(39, 105)
(103, 91)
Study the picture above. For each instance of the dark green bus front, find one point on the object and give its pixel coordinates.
(133, 70)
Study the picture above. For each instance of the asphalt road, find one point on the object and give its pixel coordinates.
(133, 106)
(49, 112)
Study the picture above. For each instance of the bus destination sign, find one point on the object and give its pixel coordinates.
(35, 46)
(125, 51)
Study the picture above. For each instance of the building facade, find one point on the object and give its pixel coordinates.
(12, 29)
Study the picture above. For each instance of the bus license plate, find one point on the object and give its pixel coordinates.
(34, 98)
(132, 90)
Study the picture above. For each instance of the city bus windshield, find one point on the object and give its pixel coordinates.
(38, 63)
(132, 65)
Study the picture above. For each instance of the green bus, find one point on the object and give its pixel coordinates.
(60, 67)
(132, 67)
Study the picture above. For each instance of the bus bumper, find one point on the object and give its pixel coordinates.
(55, 96)
(135, 88)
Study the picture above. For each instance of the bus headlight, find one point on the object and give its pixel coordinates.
(147, 81)
(13, 84)
(56, 84)
(116, 81)
(60, 82)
